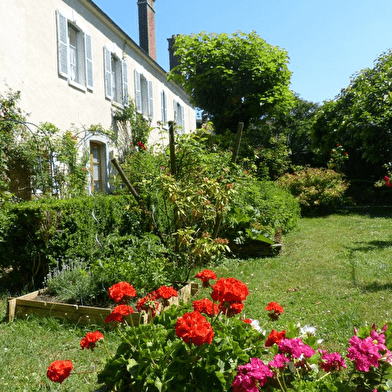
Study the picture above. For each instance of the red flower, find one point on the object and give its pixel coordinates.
(247, 321)
(205, 276)
(274, 338)
(194, 328)
(206, 306)
(121, 291)
(229, 290)
(90, 340)
(275, 310)
(166, 292)
(141, 145)
(231, 309)
(148, 304)
(58, 371)
(118, 313)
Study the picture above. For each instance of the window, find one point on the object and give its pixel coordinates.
(144, 95)
(75, 60)
(163, 107)
(96, 158)
(179, 115)
(116, 77)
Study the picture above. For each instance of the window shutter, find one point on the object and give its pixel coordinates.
(124, 74)
(62, 39)
(138, 91)
(175, 112)
(150, 100)
(183, 119)
(89, 61)
(108, 72)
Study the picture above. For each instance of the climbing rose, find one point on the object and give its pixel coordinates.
(251, 375)
(118, 313)
(194, 328)
(229, 290)
(90, 340)
(58, 371)
(275, 310)
(166, 292)
(149, 304)
(121, 291)
(205, 276)
(141, 145)
(331, 362)
(206, 306)
(274, 338)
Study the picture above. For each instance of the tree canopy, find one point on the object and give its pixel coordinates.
(234, 77)
(360, 117)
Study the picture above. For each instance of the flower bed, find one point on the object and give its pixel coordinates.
(30, 304)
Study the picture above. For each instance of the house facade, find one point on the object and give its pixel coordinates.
(75, 67)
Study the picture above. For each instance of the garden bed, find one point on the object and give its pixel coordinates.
(32, 304)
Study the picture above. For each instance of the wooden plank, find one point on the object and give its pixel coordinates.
(11, 306)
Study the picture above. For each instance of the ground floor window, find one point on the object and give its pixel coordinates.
(96, 158)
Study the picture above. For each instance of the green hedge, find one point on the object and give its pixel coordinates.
(37, 234)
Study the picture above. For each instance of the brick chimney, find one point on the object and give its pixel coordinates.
(173, 61)
(147, 27)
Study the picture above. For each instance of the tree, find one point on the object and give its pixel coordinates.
(360, 118)
(233, 77)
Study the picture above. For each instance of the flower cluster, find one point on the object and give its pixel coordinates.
(275, 310)
(58, 371)
(251, 376)
(148, 304)
(119, 313)
(194, 328)
(205, 276)
(121, 292)
(387, 181)
(206, 306)
(90, 340)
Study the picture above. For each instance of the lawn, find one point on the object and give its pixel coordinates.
(334, 273)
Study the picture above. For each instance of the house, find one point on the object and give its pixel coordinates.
(75, 67)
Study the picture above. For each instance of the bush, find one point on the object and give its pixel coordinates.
(258, 210)
(317, 190)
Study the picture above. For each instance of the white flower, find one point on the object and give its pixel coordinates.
(308, 330)
(256, 325)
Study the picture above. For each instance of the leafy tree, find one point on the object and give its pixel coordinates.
(360, 118)
(235, 78)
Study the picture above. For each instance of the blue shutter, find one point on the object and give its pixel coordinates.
(107, 56)
(89, 61)
(124, 75)
(62, 39)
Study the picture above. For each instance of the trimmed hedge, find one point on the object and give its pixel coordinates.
(36, 234)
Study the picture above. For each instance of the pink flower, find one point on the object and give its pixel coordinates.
(252, 375)
(331, 362)
(364, 353)
(279, 361)
(295, 348)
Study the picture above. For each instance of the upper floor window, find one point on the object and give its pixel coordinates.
(75, 60)
(144, 96)
(116, 77)
(179, 115)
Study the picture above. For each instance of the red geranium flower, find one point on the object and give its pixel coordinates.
(121, 291)
(247, 321)
(229, 290)
(58, 371)
(274, 338)
(206, 306)
(90, 340)
(118, 313)
(149, 304)
(275, 310)
(194, 328)
(231, 309)
(166, 292)
(205, 276)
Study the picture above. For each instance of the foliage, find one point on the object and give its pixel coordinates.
(41, 233)
(338, 158)
(360, 119)
(258, 210)
(233, 77)
(317, 190)
(135, 128)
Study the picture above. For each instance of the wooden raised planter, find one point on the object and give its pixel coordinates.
(28, 305)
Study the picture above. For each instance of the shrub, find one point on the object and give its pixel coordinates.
(317, 189)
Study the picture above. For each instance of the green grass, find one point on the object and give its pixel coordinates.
(334, 273)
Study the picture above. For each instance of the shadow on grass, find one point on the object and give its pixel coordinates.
(370, 210)
(365, 247)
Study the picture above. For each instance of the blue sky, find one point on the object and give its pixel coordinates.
(327, 40)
